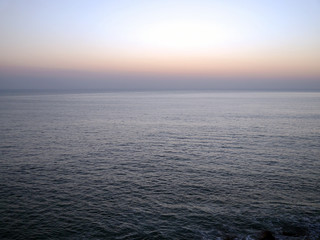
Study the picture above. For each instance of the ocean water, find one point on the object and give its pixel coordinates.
(159, 165)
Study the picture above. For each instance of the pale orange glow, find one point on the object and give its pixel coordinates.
(200, 38)
(246, 63)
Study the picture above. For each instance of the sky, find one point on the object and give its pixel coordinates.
(160, 44)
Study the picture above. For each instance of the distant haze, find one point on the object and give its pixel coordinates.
(140, 45)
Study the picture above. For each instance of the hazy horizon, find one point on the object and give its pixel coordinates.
(81, 80)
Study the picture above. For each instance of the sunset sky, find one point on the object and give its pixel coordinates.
(108, 41)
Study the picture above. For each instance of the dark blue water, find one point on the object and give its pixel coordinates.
(159, 165)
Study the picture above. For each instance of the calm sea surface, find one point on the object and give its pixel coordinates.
(159, 165)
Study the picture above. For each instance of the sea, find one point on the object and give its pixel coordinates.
(159, 165)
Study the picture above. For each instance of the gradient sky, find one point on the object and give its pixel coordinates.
(193, 42)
